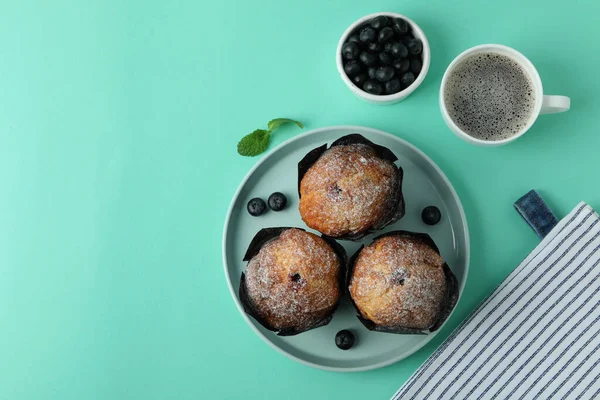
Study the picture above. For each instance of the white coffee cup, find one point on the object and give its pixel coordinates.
(543, 104)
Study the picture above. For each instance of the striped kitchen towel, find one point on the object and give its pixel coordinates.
(537, 336)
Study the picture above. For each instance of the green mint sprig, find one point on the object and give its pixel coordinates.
(256, 142)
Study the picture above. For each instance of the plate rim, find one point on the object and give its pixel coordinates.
(461, 211)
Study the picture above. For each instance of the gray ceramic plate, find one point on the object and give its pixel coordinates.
(424, 184)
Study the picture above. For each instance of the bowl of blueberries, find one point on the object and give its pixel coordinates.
(383, 57)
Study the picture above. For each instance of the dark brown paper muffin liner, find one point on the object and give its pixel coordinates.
(264, 236)
(394, 214)
(450, 295)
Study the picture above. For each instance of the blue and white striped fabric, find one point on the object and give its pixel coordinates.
(537, 336)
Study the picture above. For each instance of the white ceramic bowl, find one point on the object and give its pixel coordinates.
(389, 98)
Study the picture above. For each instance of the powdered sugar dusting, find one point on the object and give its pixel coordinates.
(293, 280)
(399, 282)
(348, 190)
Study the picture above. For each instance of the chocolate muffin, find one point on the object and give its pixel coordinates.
(401, 284)
(350, 189)
(293, 281)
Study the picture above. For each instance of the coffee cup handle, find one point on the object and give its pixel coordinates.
(555, 104)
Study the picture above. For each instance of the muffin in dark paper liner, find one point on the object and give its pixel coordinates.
(350, 189)
(401, 284)
(293, 281)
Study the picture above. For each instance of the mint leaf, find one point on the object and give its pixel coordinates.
(258, 141)
(274, 124)
(254, 143)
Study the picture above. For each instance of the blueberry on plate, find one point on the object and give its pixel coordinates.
(385, 59)
(415, 47)
(400, 26)
(344, 339)
(401, 66)
(431, 215)
(371, 72)
(368, 59)
(374, 47)
(384, 74)
(398, 50)
(352, 68)
(368, 35)
(350, 51)
(415, 66)
(373, 87)
(379, 22)
(256, 206)
(385, 34)
(277, 201)
(407, 79)
(393, 86)
(354, 39)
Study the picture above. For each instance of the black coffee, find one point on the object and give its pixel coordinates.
(489, 96)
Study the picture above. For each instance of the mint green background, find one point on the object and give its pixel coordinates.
(118, 127)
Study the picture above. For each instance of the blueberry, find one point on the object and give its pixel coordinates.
(400, 26)
(385, 59)
(368, 35)
(368, 59)
(415, 66)
(387, 47)
(379, 22)
(431, 215)
(352, 68)
(344, 339)
(350, 51)
(393, 86)
(373, 87)
(401, 66)
(384, 74)
(385, 34)
(407, 79)
(374, 47)
(371, 72)
(256, 206)
(360, 79)
(277, 201)
(354, 39)
(406, 39)
(415, 47)
(398, 50)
